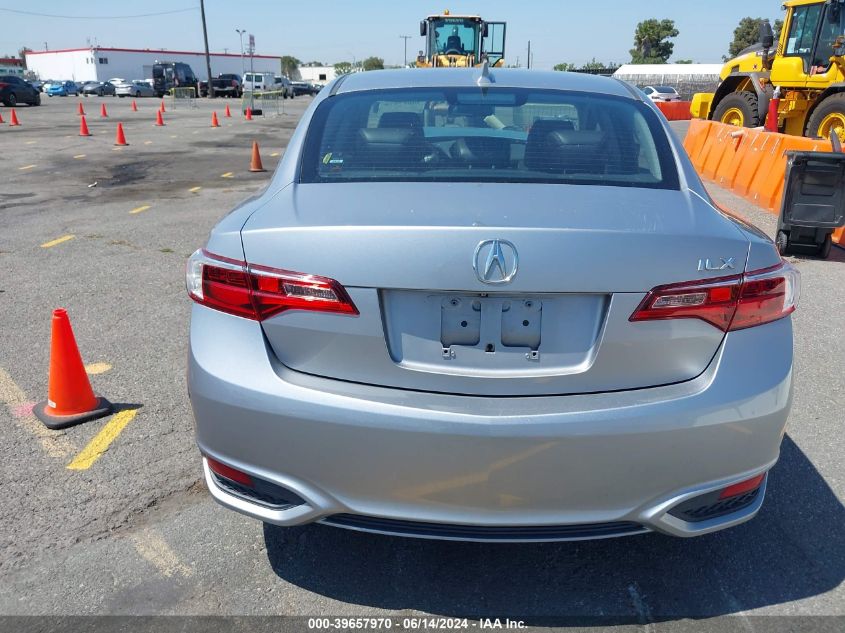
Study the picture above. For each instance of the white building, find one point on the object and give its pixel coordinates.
(100, 64)
(317, 74)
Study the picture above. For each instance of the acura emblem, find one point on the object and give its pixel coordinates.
(495, 261)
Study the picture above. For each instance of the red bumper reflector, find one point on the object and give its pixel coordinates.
(742, 487)
(228, 472)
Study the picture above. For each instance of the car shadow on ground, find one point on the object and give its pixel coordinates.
(794, 549)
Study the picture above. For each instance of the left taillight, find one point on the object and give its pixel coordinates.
(728, 303)
(260, 292)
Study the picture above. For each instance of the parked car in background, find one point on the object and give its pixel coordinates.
(224, 85)
(37, 84)
(135, 88)
(661, 93)
(98, 88)
(259, 81)
(170, 75)
(14, 90)
(361, 357)
(62, 89)
(284, 85)
(304, 88)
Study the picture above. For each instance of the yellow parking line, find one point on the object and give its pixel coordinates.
(155, 550)
(143, 207)
(173, 136)
(80, 156)
(54, 443)
(57, 241)
(97, 368)
(228, 174)
(194, 189)
(274, 154)
(148, 142)
(101, 442)
(30, 143)
(25, 167)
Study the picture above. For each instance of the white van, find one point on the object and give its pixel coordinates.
(259, 82)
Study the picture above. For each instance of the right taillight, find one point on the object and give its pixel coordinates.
(728, 303)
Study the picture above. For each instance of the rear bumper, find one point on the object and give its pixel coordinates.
(430, 459)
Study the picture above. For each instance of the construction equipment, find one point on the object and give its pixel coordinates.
(808, 65)
(461, 41)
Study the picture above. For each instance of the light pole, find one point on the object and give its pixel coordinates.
(243, 70)
(406, 38)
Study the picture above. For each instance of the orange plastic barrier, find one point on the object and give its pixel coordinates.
(675, 110)
(749, 162)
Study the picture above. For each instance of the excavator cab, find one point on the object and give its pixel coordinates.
(461, 41)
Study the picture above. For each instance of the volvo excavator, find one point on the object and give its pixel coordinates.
(806, 66)
(461, 41)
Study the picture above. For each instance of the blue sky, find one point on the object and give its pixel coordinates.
(333, 30)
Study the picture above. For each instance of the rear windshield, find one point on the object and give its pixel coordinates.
(667, 89)
(489, 135)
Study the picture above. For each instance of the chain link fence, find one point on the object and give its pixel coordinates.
(183, 98)
(267, 102)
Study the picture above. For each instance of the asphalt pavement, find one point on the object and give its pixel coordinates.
(135, 532)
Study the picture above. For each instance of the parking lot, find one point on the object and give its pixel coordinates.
(126, 526)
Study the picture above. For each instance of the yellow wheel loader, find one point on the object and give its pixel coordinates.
(807, 67)
(461, 41)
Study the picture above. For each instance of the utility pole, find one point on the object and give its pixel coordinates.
(529, 53)
(406, 38)
(207, 56)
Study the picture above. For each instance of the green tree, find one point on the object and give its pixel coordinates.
(342, 68)
(593, 65)
(565, 66)
(684, 61)
(747, 33)
(290, 65)
(373, 63)
(651, 42)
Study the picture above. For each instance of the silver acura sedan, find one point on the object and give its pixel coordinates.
(492, 306)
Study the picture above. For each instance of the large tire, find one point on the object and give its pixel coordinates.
(827, 117)
(824, 247)
(37, 100)
(738, 108)
(13, 100)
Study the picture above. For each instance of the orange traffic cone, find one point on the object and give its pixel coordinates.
(248, 116)
(70, 399)
(83, 127)
(159, 118)
(255, 163)
(161, 107)
(120, 137)
(134, 106)
(13, 120)
(103, 112)
(214, 122)
(80, 110)
(1, 118)
(227, 113)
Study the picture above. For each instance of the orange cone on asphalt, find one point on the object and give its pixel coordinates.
(70, 399)
(248, 116)
(120, 137)
(80, 110)
(134, 106)
(103, 112)
(1, 118)
(13, 119)
(255, 163)
(214, 121)
(161, 107)
(159, 118)
(83, 127)
(227, 113)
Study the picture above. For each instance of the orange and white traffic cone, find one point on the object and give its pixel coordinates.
(1, 118)
(103, 112)
(120, 137)
(13, 119)
(214, 121)
(70, 399)
(83, 127)
(134, 106)
(227, 113)
(248, 115)
(161, 107)
(255, 163)
(159, 118)
(80, 110)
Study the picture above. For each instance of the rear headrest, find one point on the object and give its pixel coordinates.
(385, 136)
(400, 119)
(572, 137)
